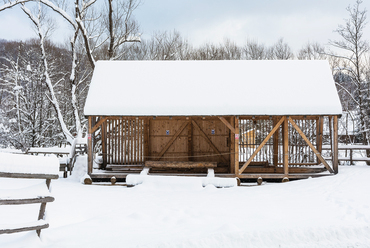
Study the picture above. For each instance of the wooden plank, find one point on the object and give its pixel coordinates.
(311, 146)
(262, 144)
(230, 126)
(26, 227)
(180, 164)
(29, 175)
(100, 122)
(209, 141)
(190, 141)
(174, 137)
(335, 145)
(281, 176)
(146, 138)
(286, 147)
(39, 199)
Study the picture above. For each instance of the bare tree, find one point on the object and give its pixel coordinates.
(353, 63)
(312, 51)
(281, 50)
(255, 51)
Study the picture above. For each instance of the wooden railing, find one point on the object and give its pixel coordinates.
(351, 149)
(42, 200)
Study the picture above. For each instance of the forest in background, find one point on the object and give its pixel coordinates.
(43, 85)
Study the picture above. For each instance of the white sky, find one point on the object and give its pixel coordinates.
(200, 21)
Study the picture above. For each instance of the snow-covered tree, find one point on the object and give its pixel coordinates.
(351, 71)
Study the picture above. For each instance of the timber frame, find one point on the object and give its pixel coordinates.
(247, 147)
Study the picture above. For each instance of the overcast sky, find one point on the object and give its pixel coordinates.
(201, 21)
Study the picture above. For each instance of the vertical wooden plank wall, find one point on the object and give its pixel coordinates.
(190, 140)
(146, 139)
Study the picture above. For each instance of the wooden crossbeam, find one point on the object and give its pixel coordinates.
(262, 145)
(93, 129)
(209, 141)
(175, 136)
(180, 164)
(310, 145)
(39, 199)
(232, 129)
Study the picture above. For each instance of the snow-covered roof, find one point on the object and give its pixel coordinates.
(186, 88)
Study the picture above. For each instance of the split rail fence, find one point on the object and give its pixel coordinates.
(42, 200)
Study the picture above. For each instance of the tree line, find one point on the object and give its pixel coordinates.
(43, 85)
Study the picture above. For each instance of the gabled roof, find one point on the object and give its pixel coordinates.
(186, 88)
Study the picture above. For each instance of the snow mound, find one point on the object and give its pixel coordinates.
(19, 163)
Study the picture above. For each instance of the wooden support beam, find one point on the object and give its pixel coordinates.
(232, 129)
(319, 134)
(175, 136)
(310, 145)
(89, 148)
(335, 145)
(236, 145)
(180, 164)
(209, 141)
(275, 145)
(262, 144)
(286, 147)
(103, 119)
(231, 144)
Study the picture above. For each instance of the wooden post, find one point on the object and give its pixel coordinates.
(286, 147)
(104, 143)
(331, 139)
(236, 145)
(89, 148)
(335, 145)
(320, 129)
(276, 145)
(232, 148)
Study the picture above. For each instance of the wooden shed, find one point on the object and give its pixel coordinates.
(250, 118)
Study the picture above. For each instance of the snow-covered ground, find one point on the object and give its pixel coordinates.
(322, 212)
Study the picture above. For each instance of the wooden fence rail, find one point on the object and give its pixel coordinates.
(350, 148)
(42, 200)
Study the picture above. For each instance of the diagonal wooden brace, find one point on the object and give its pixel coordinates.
(318, 154)
(262, 145)
(175, 136)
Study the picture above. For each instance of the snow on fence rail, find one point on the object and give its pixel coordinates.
(29, 167)
(350, 148)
